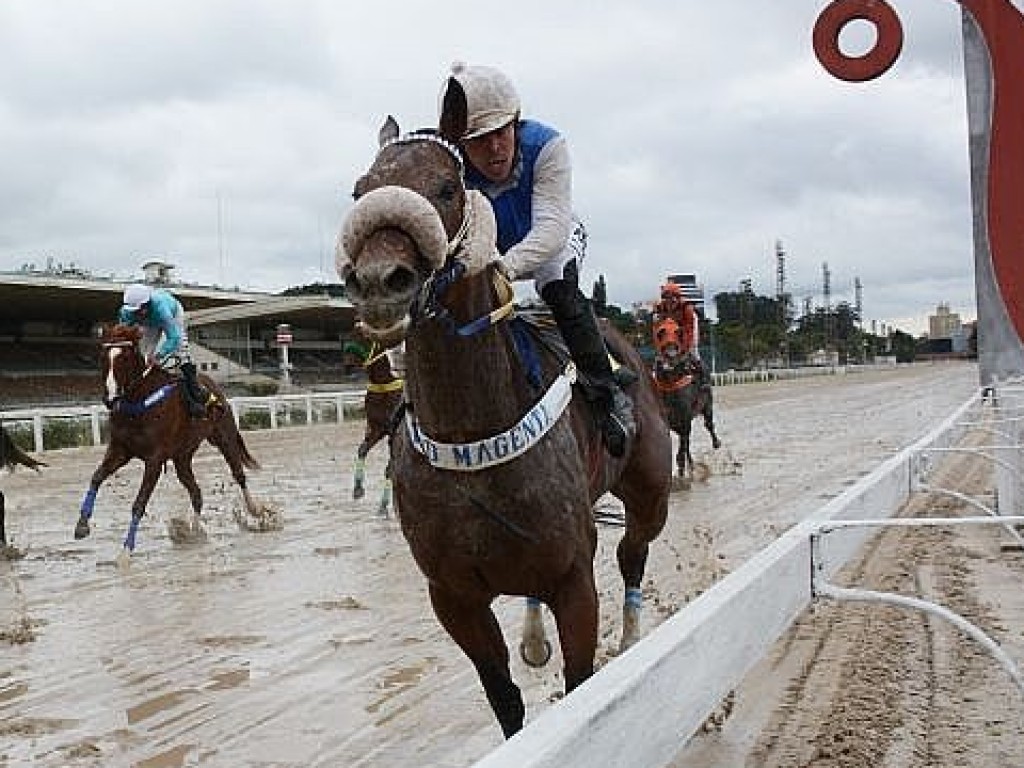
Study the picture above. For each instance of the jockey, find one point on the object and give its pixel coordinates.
(674, 304)
(523, 168)
(164, 337)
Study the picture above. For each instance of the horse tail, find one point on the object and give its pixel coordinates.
(11, 455)
(229, 440)
(243, 451)
(247, 458)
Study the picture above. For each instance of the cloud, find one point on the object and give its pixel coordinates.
(226, 136)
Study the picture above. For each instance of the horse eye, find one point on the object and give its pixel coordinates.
(447, 191)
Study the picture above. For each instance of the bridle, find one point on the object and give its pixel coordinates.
(456, 240)
(126, 388)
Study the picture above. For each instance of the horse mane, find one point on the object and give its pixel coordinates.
(120, 332)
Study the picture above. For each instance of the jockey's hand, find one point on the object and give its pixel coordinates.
(505, 270)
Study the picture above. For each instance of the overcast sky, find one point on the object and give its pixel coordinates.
(225, 136)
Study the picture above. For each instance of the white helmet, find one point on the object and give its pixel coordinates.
(137, 294)
(491, 99)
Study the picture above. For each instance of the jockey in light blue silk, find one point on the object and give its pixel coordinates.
(164, 337)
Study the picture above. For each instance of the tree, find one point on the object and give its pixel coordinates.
(334, 290)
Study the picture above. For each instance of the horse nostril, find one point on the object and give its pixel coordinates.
(353, 289)
(401, 281)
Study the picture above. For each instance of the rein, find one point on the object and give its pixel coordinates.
(672, 386)
(384, 387)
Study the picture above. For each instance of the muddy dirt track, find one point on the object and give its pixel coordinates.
(315, 645)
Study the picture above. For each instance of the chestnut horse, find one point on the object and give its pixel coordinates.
(497, 463)
(149, 420)
(10, 457)
(676, 379)
(383, 395)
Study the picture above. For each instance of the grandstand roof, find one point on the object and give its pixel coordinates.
(77, 300)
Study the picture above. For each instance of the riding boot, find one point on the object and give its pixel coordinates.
(578, 325)
(195, 395)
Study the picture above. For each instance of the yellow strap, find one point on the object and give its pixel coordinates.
(391, 386)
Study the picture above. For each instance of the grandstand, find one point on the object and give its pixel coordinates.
(49, 319)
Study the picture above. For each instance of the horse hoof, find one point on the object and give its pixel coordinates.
(681, 483)
(526, 653)
(82, 528)
(358, 492)
(716, 443)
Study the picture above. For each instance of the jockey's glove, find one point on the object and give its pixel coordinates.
(505, 269)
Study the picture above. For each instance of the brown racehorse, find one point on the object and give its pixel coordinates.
(10, 457)
(683, 399)
(383, 396)
(497, 464)
(149, 420)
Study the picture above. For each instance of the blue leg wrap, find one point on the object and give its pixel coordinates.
(532, 602)
(88, 502)
(133, 528)
(634, 597)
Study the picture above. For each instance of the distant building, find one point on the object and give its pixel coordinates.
(944, 324)
(692, 291)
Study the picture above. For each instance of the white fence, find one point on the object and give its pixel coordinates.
(329, 407)
(667, 685)
(271, 412)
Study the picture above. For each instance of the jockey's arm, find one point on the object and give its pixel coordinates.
(551, 203)
(163, 315)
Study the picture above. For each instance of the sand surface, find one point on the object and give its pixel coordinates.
(314, 645)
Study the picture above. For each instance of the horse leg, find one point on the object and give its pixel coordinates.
(113, 460)
(534, 648)
(576, 615)
(150, 476)
(227, 440)
(3, 531)
(360, 470)
(183, 469)
(385, 493)
(632, 558)
(472, 625)
(709, 423)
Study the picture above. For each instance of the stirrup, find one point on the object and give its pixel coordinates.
(618, 427)
(624, 376)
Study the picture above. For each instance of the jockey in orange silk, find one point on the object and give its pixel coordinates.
(673, 304)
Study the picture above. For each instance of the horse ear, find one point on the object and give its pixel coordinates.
(388, 131)
(454, 112)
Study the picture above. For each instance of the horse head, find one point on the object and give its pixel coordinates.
(668, 339)
(413, 226)
(121, 362)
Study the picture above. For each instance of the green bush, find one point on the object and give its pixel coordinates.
(66, 433)
(254, 418)
(262, 388)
